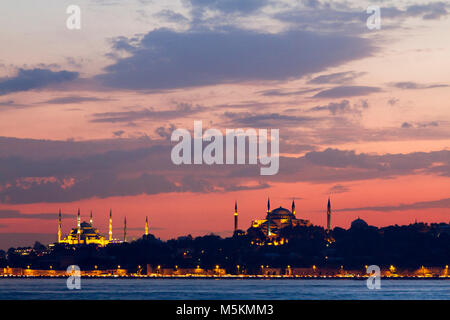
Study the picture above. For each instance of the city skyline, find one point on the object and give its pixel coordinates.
(87, 115)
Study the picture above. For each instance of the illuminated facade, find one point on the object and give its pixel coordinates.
(85, 233)
(278, 219)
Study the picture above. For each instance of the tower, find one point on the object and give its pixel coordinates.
(329, 215)
(78, 226)
(59, 226)
(269, 233)
(235, 217)
(110, 225)
(125, 230)
(90, 220)
(146, 226)
(293, 207)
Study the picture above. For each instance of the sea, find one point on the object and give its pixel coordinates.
(219, 289)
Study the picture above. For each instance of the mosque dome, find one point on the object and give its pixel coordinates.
(359, 224)
(281, 213)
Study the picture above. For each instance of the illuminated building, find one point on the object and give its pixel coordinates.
(59, 226)
(146, 226)
(125, 230)
(278, 219)
(110, 225)
(235, 217)
(84, 233)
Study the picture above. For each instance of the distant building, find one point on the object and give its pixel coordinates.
(85, 233)
(278, 219)
(359, 224)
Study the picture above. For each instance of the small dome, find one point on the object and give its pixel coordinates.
(359, 223)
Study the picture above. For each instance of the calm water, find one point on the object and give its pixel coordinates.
(222, 289)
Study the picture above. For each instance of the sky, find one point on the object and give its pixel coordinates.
(86, 115)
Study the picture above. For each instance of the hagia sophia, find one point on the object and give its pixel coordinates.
(275, 220)
(280, 218)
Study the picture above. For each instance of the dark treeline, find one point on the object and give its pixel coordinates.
(403, 246)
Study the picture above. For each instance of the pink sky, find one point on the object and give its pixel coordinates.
(363, 115)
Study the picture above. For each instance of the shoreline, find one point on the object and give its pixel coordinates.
(231, 277)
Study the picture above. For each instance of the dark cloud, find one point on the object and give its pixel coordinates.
(442, 203)
(336, 78)
(8, 104)
(15, 214)
(34, 79)
(414, 85)
(73, 100)
(406, 125)
(274, 120)
(118, 133)
(282, 93)
(393, 101)
(171, 16)
(229, 6)
(181, 110)
(342, 107)
(346, 91)
(338, 188)
(165, 132)
(340, 16)
(34, 149)
(149, 170)
(165, 59)
(430, 11)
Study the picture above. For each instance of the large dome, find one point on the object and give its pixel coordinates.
(281, 213)
(359, 223)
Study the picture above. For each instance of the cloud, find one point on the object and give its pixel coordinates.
(15, 214)
(229, 6)
(86, 173)
(406, 125)
(118, 133)
(338, 188)
(414, 85)
(336, 78)
(282, 93)
(342, 107)
(256, 120)
(181, 110)
(34, 79)
(346, 91)
(442, 203)
(73, 100)
(165, 59)
(171, 16)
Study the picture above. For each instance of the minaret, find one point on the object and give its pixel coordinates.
(269, 233)
(79, 226)
(91, 219)
(125, 230)
(293, 207)
(110, 225)
(59, 226)
(329, 215)
(146, 226)
(235, 217)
